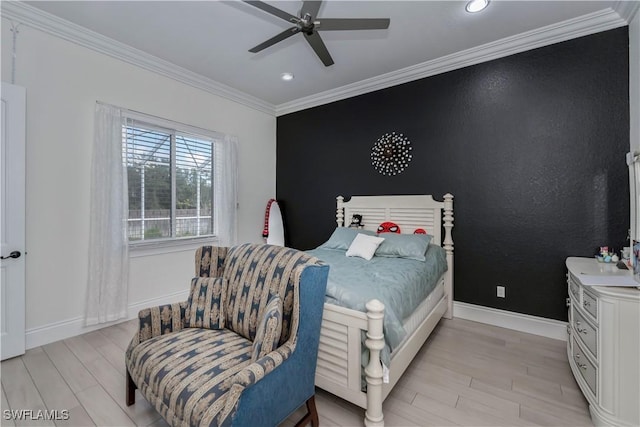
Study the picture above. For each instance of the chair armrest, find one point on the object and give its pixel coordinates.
(251, 375)
(160, 320)
(263, 366)
(251, 399)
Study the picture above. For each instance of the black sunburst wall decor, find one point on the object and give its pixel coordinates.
(391, 154)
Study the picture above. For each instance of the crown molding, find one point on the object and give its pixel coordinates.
(627, 9)
(592, 23)
(48, 23)
(606, 19)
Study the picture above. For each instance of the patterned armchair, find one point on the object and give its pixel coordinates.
(242, 350)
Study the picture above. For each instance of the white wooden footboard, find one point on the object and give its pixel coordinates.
(339, 367)
(339, 370)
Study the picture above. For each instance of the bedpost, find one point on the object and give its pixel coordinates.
(373, 371)
(448, 247)
(340, 211)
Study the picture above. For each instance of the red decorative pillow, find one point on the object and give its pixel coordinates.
(388, 227)
(420, 231)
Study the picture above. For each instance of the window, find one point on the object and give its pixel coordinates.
(172, 177)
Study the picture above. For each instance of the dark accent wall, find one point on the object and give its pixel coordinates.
(532, 146)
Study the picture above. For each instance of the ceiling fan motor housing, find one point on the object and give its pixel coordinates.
(306, 23)
(310, 28)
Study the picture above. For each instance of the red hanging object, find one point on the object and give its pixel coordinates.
(265, 231)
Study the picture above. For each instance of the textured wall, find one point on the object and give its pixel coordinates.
(532, 146)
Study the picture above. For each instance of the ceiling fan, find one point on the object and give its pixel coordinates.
(309, 24)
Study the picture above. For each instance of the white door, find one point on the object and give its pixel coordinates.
(12, 220)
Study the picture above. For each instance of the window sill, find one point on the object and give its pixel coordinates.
(143, 249)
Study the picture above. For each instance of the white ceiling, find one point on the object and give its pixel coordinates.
(212, 38)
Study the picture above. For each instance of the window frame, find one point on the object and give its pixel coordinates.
(174, 129)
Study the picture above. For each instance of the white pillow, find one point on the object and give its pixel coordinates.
(364, 246)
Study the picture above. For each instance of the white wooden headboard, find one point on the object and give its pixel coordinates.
(409, 212)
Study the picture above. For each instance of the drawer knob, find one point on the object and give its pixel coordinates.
(579, 329)
(586, 304)
(568, 302)
(580, 365)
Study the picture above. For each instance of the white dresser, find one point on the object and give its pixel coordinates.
(603, 345)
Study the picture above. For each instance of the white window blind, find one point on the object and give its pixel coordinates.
(170, 182)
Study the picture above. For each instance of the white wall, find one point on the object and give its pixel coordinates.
(63, 82)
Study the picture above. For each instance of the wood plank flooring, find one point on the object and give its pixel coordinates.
(467, 374)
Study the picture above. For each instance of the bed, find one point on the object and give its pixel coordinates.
(339, 370)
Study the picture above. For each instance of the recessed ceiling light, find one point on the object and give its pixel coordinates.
(476, 5)
(287, 76)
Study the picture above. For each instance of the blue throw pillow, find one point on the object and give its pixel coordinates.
(342, 238)
(204, 306)
(410, 246)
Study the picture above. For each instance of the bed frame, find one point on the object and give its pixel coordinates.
(339, 369)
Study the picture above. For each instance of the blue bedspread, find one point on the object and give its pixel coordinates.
(400, 284)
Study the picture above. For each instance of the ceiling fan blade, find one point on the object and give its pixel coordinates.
(338, 24)
(273, 10)
(311, 7)
(318, 46)
(273, 40)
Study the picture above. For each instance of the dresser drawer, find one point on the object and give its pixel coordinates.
(588, 371)
(590, 303)
(587, 334)
(574, 289)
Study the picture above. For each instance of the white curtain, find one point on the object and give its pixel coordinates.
(226, 189)
(107, 285)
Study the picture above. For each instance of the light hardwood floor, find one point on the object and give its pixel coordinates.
(467, 374)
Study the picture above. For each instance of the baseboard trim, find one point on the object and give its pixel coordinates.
(64, 329)
(549, 328)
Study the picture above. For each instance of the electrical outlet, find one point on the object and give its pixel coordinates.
(500, 291)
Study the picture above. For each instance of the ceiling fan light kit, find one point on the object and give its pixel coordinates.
(308, 23)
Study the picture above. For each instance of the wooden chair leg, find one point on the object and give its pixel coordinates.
(131, 390)
(312, 414)
(311, 407)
